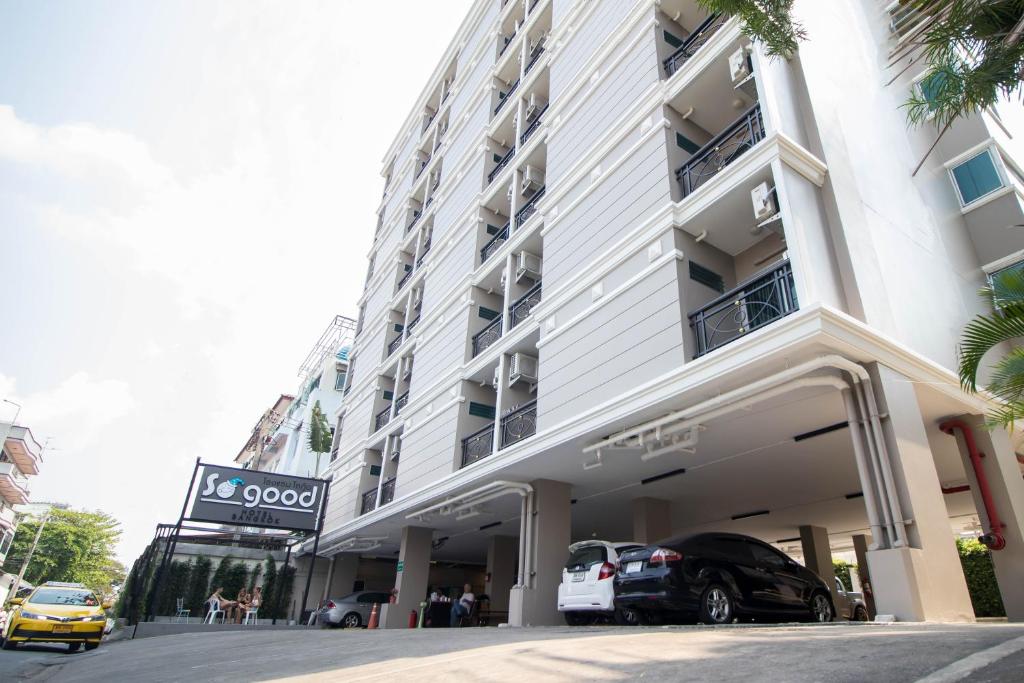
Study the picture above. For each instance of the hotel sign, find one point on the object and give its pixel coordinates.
(227, 495)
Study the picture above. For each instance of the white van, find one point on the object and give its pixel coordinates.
(586, 593)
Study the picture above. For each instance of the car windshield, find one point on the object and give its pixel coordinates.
(585, 557)
(79, 597)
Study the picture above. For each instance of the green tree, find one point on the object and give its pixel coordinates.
(235, 580)
(986, 332)
(269, 586)
(175, 586)
(199, 586)
(976, 560)
(75, 546)
(282, 594)
(319, 434)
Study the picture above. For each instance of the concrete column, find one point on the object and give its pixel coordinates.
(536, 604)
(860, 548)
(1007, 488)
(501, 570)
(818, 554)
(652, 521)
(411, 576)
(346, 566)
(316, 584)
(922, 581)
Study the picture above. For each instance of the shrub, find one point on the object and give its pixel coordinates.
(976, 560)
(842, 571)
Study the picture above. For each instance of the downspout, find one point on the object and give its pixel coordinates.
(994, 539)
(870, 502)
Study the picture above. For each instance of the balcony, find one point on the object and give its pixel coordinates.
(759, 301)
(485, 338)
(519, 424)
(534, 125)
(415, 217)
(423, 252)
(508, 41)
(383, 417)
(501, 165)
(7, 518)
(394, 344)
(423, 165)
(696, 40)
(524, 305)
(387, 491)
(494, 244)
(405, 278)
(369, 501)
(478, 445)
(23, 448)
(534, 56)
(400, 402)
(13, 484)
(529, 208)
(507, 97)
(412, 323)
(721, 151)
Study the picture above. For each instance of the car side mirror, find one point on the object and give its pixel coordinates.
(17, 601)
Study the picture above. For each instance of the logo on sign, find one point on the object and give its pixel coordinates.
(253, 495)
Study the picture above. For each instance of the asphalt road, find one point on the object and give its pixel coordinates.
(896, 652)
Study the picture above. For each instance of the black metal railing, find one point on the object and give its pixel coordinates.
(494, 244)
(508, 41)
(483, 339)
(369, 501)
(478, 445)
(428, 202)
(423, 165)
(502, 163)
(412, 323)
(405, 278)
(523, 214)
(523, 306)
(724, 149)
(534, 125)
(383, 417)
(415, 218)
(761, 300)
(534, 56)
(394, 344)
(694, 42)
(507, 97)
(519, 424)
(400, 402)
(423, 252)
(387, 491)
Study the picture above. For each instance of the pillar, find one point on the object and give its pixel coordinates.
(818, 554)
(501, 570)
(411, 576)
(1006, 486)
(922, 581)
(536, 604)
(651, 520)
(860, 548)
(343, 579)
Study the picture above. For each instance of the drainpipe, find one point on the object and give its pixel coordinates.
(994, 539)
(863, 467)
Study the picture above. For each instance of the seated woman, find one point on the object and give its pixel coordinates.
(256, 600)
(222, 603)
(241, 604)
(463, 606)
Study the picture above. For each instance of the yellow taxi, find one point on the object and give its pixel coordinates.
(57, 612)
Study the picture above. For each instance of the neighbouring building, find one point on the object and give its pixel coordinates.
(20, 458)
(631, 278)
(251, 455)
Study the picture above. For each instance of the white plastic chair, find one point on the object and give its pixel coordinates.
(254, 613)
(214, 610)
(180, 611)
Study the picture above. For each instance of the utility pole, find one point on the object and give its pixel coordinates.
(28, 558)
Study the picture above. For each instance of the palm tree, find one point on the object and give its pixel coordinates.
(319, 434)
(1005, 324)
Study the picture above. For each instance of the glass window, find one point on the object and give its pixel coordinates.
(766, 557)
(930, 88)
(672, 40)
(976, 177)
(82, 597)
(706, 277)
(481, 410)
(339, 381)
(687, 144)
(586, 557)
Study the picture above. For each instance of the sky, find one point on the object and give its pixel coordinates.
(188, 192)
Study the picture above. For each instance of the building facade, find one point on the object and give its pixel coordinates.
(632, 278)
(20, 458)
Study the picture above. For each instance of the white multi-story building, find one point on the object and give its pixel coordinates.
(20, 458)
(631, 278)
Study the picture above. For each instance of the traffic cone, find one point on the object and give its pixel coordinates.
(373, 617)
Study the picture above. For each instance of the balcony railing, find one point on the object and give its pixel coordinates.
(423, 252)
(508, 41)
(507, 97)
(761, 300)
(405, 278)
(387, 491)
(423, 165)
(724, 149)
(486, 337)
(519, 424)
(534, 56)
(494, 244)
(394, 344)
(524, 305)
(478, 445)
(529, 208)
(502, 163)
(534, 125)
(695, 41)
(383, 417)
(412, 323)
(369, 501)
(415, 217)
(400, 402)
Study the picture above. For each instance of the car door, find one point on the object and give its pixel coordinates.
(786, 586)
(842, 601)
(739, 562)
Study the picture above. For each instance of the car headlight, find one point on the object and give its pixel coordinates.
(95, 617)
(33, 615)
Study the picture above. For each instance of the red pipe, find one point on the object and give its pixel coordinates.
(994, 538)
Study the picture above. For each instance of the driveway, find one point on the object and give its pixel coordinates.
(895, 652)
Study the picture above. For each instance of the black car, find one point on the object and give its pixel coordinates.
(717, 578)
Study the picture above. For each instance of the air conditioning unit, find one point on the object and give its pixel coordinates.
(740, 66)
(528, 265)
(496, 381)
(538, 42)
(522, 369)
(417, 298)
(511, 189)
(534, 105)
(764, 203)
(533, 180)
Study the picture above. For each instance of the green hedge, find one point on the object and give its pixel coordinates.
(976, 560)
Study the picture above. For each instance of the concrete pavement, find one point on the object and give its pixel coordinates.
(895, 652)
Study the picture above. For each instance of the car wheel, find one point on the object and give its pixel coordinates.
(628, 616)
(860, 613)
(717, 605)
(91, 646)
(576, 618)
(821, 608)
(351, 620)
(73, 647)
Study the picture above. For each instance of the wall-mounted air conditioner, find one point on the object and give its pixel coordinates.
(496, 381)
(528, 265)
(534, 105)
(533, 180)
(523, 369)
(740, 66)
(763, 199)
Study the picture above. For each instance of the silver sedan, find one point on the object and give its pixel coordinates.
(351, 611)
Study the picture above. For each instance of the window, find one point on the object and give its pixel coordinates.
(976, 177)
(582, 559)
(388, 395)
(481, 410)
(686, 143)
(488, 314)
(339, 380)
(492, 229)
(706, 277)
(930, 88)
(766, 557)
(672, 40)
